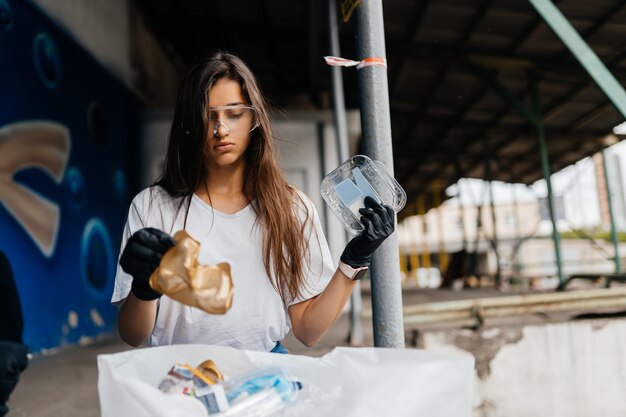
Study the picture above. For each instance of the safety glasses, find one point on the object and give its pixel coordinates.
(234, 118)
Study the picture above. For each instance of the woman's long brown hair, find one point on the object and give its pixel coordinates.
(277, 204)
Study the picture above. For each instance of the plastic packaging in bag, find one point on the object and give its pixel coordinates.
(346, 187)
(260, 392)
(347, 382)
(201, 383)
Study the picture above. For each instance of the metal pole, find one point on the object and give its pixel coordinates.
(341, 126)
(462, 215)
(545, 168)
(518, 267)
(518, 230)
(314, 90)
(473, 263)
(609, 200)
(443, 255)
(494, 243)
(415, 237)
(376, 128)
(341, 130)
(492, 208)
(421, 210)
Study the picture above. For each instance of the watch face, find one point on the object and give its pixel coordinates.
(360, 274)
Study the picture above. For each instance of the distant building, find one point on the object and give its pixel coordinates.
(522, 236)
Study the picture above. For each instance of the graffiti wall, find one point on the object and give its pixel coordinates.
(67, 131)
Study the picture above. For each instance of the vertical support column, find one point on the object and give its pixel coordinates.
(376, 126)
(473, 261)
(492, 208)
(443, 255)
(339, 105)
(465, 242)
(545, 168)
(517, 266)
(494, 243)
(341, 130)
(462, 215)
(314, 60)
(415, 260)
(618, 266)
(421, 210)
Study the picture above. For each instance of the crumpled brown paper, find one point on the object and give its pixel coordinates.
(179, 276)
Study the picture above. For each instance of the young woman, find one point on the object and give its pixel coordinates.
(222, 184)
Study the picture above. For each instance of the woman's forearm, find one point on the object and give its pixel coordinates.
(311, 319)
(136, 319)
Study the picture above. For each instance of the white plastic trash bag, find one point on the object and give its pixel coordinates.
(351, 382)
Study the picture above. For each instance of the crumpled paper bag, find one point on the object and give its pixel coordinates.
(179, 276)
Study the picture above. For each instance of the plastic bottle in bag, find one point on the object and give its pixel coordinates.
(260, 392)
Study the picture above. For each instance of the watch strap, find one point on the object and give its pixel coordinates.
(352, 273)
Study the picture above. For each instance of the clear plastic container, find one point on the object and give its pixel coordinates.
(345, 189)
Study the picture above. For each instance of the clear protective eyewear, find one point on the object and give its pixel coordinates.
(234, 118)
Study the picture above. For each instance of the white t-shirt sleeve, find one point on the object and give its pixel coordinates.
(320, 268)
(134, 222)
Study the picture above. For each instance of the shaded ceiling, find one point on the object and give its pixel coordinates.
(444, 58)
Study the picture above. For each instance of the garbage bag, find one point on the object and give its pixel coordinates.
(351, 382)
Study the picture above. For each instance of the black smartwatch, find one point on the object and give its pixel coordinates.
(354, 274)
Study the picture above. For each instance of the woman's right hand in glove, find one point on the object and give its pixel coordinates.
(379, 223)
(141, 256)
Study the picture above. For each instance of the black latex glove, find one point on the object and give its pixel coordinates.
(141, 256)
(379, 222)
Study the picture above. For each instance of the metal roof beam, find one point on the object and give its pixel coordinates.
(469, 28)
(621, 54)
(488, 78)
(411, 30)
(459, 116)
(618, 53)
(600, 23)
(552, 156)
(525, 34)
(592, 115)
(583, 53)
(492, 59)
(515, 45)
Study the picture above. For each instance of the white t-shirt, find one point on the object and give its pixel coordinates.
(258, 317)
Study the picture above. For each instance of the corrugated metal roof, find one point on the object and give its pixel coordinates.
(444, 116)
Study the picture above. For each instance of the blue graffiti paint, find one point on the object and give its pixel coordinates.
(47, 60)
(74, 188)
(119, 185)
(93, 197)
(6, 15)
(96, 259)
